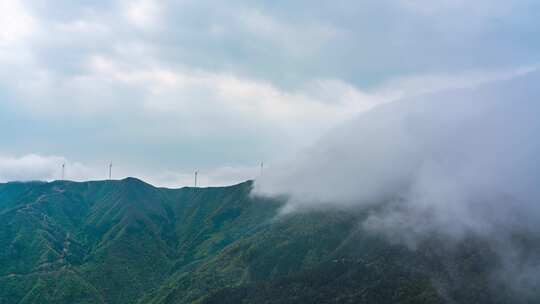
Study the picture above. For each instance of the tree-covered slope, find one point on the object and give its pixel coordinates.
(129, 242)
(112, 241)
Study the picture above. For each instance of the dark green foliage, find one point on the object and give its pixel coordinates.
(116, 241)
(129, 242)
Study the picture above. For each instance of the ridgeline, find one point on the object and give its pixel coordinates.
(126, 241)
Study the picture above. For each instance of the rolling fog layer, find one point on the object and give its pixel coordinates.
(470, 158)
(454, 164)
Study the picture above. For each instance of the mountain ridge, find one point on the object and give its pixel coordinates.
(127, 241)
(128, 179)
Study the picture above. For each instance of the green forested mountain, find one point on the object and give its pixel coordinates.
(129, 242)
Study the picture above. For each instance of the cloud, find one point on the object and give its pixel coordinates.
(467, 157)
(454, 165)
(121, 103)
(207, 103)
(143, 13)
(36, 167)
(16, 23)
(209, 84)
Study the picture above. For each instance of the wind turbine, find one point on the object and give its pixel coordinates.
(196, 172)
(110, 170)
(258, 181)
(63, 170)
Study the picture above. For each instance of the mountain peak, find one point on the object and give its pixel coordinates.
(131, 179)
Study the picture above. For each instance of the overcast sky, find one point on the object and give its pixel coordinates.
(163, 87)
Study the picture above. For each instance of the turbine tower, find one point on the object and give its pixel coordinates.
(110, 170)
(196, 173)
(63, 170)
(258, 181)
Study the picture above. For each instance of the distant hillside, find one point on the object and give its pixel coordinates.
(129, 242)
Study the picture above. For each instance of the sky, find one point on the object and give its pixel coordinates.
(161, 88)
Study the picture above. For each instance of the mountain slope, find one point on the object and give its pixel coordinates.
(118, 238)
(129, 242)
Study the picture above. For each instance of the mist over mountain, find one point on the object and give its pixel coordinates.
(453, 164)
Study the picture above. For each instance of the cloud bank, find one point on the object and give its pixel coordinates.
(455, 165)
(458, 161)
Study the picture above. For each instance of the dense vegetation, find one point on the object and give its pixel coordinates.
(129, 242)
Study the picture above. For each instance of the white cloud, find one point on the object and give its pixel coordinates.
(161, 93)
(321, 100)
(144, 14)
(455, 165)
(212, 103)
(455, 162)
(264, 76)
(16, 23)
(36, 167)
